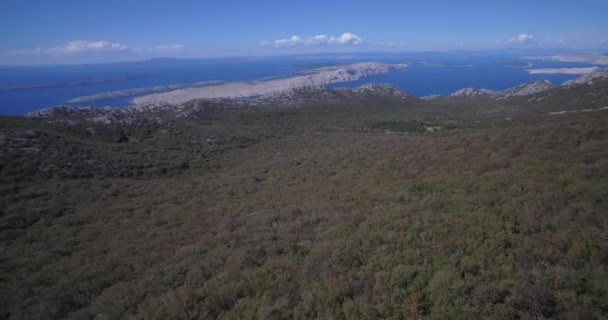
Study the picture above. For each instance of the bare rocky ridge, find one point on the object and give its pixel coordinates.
(530, 88)
(525, 89)
(267, 90)
(141, 91)
(317, 95)
(243, 89)
(383, 89)
(300, 96)
(588, 78)
(291, 98)
(472, 92)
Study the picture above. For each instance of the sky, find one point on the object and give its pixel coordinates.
(89, 31)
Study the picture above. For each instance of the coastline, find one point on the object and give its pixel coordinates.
(243, 89)
(138, 91)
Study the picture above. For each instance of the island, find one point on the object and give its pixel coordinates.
(141, 91)
(244, 89)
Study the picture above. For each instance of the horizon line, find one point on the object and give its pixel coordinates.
(287, 55)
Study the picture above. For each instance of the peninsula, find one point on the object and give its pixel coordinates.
(243, 89)
(141, 91)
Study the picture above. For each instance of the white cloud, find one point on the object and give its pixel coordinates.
(92, 51)
(320, 39)
(293, 41)
(80, 46)
(317, 40)
(348, 39)
(523, 38)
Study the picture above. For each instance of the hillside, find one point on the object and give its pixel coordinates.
(311, 203)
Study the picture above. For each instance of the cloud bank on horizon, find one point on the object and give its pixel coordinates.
(82, 48)
(90, 51)
(345, 39)
(42, 31)
(523, 38)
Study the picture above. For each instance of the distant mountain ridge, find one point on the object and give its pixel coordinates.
(244, 89)
(528, 88)
(292, 98)
(322, 95)
(471, 92)
(589, 78)
(525, 89)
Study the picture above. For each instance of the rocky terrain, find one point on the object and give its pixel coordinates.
(522, 90)
(291, 90)
(292, 98)
(316, 77)
(302, 96)
(383, 90)
(594, 58)
(141, 91)
(578, 71)
(597, 75)
(472, 92)
(525, 89)
(528, 89)
(506, 101)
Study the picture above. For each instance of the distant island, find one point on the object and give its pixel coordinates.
(141, 91)
(564, 70)
(597, 58)
(242, 89)
(64, 84)
(518, 64)
(174, 94)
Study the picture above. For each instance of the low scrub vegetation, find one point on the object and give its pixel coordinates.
(303, 215)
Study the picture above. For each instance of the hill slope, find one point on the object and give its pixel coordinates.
(357, 206)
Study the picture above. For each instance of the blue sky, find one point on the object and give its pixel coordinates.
(64, 31)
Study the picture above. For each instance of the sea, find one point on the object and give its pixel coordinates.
(28, 88)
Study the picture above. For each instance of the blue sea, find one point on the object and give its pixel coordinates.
(24, 89)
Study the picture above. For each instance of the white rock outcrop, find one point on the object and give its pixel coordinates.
(525, 89)
(472, 92)
(242, 89)
(590, 78)
(383, 89)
